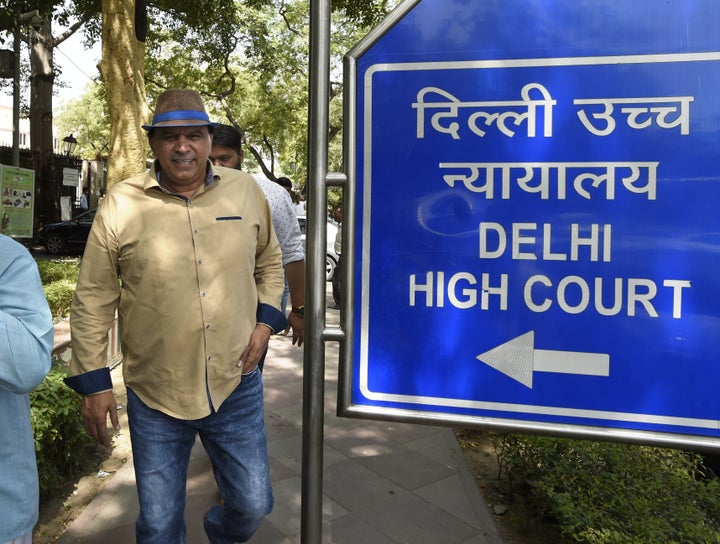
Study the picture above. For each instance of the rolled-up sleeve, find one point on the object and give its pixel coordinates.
(269, 274)
(94, 306)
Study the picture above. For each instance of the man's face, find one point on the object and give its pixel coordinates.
(183, 153)
(225, 156)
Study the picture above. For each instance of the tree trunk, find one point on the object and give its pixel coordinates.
(41, 122)
(123, 72)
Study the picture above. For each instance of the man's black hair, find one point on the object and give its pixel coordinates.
(227, 136)
(285, 182)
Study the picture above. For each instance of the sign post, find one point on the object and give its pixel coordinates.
(17, 193)
(536, 243)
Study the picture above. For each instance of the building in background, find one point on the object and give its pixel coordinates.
(6, 131)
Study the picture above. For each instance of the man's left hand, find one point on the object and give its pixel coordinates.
(257, 346)
(297, 323)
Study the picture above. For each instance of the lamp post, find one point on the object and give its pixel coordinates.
(69, 144)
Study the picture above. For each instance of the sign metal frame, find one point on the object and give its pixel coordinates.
(426, 409)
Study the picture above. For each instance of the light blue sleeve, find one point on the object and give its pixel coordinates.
(26, 328)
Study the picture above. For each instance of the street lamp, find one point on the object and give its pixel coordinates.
(69, 144)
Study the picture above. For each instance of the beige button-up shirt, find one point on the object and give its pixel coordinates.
(190, 279)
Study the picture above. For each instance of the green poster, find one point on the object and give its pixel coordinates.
(17, 188)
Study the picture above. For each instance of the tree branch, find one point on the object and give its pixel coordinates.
(283, 11)
(60, 38)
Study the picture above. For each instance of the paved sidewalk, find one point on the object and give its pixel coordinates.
(384, 482)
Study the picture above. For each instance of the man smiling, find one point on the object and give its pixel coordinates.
(187, 255)
(177, 150)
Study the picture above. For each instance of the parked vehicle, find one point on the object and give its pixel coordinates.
(331, 258)
(70, 235)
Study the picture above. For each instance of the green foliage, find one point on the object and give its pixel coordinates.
(55, 270)
(603, 493)
(334, 199)
(69, 16)
(59, 279)
(258, 78)
(62, 446)
(59, 295)
(87, 118)
(365, 13)
(252, 61)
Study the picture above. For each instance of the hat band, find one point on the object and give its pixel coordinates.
(180, 115)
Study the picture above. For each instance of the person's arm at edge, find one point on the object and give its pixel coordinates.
(25, 322)
(269, 279)
(295, 274)
(92, 314)
(293, 253)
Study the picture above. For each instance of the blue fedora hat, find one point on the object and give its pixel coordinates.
(179, 108)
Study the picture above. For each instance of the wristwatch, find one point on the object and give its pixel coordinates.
(299, 310)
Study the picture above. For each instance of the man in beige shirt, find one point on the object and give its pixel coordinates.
(187, 255)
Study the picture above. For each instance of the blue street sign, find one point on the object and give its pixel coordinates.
(537, 238)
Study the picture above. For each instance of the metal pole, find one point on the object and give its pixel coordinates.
(315, 313)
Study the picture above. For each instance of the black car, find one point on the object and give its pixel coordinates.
(70, 235)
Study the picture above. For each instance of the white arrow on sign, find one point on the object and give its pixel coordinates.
(518, 359)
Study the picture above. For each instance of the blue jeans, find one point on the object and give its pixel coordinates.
(235, 441)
